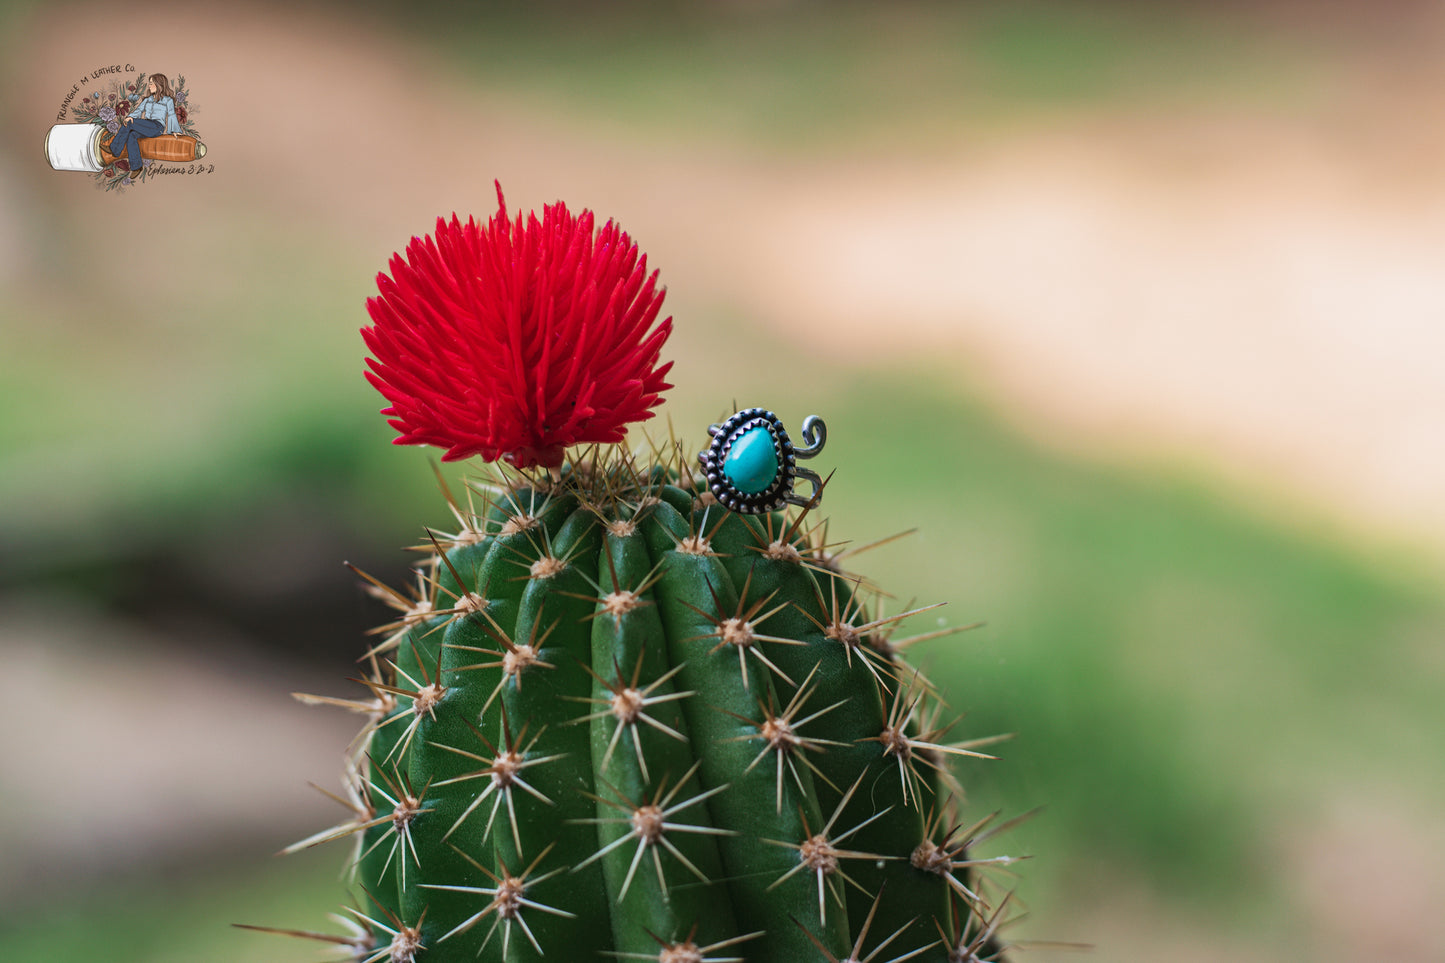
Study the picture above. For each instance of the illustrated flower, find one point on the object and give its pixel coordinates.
(112, 96)
(130, 87)
(145, 162)
(181, 114)
(106, 113)
(517, 338)
(123, 108)
(110, 172)
(113, 126)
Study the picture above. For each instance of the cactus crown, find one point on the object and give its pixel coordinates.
(517, 339)
(618, 717)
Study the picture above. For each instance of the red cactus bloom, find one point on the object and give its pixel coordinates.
(516, 339)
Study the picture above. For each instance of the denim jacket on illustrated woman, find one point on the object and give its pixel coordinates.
(163, 110)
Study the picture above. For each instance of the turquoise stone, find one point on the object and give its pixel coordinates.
(752, 462)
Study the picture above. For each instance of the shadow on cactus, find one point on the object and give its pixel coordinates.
(634, 706)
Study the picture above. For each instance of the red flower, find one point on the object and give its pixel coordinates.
(123, 108)
(181, 114)
(518, 338)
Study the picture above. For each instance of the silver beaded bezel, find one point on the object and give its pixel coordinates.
(770, 499)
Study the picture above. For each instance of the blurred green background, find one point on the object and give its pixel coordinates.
(1132, 310)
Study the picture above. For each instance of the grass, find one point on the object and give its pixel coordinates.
(184, 917)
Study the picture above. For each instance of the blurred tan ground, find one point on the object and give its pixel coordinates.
(1254, 290)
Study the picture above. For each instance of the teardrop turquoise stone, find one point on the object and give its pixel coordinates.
(752, 463)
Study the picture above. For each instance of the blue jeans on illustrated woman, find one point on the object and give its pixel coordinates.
(127, 138)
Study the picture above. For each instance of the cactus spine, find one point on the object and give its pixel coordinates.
(615, 718)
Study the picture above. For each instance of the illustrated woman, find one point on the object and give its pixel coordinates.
(154, 114)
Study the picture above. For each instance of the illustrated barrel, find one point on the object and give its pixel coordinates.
(74, 147)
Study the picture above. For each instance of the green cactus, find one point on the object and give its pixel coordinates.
(617, 718)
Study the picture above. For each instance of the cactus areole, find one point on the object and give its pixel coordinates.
(616, 718)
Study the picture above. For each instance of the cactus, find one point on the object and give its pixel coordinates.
(635, 706)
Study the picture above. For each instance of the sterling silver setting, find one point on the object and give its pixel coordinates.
(780, 491)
